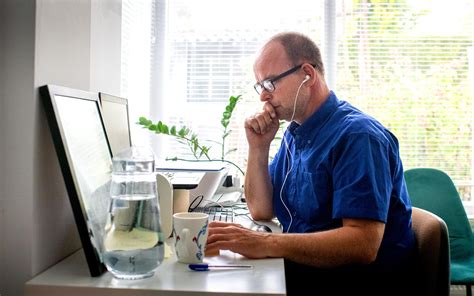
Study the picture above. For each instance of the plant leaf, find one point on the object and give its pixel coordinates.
(165, 129)
(142, 120)
(231, 150)
(152, 127)
(182, 131)
(225, 122)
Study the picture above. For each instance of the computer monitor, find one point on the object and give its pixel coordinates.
(116, 120)
(76, 125)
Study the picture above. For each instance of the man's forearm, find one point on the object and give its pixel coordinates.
(354, 244)
(258, 187)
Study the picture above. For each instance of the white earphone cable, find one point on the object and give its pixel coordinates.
(290, 160)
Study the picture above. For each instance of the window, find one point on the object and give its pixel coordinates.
(138, 22)
(210, 47)
(408, 63)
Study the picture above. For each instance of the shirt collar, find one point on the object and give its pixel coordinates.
(314, 123)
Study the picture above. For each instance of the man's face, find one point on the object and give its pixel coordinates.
(272, 62)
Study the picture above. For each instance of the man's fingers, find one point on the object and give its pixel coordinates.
(223, 224)
(232, 228)
(215, 246)
(268, 118)
(260, 123)
(263, 127)
(268, 108)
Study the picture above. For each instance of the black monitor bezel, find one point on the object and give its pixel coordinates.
(48, 93)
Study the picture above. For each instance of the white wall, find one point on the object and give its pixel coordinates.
(2, 115)
(18, 133)
(62, 56)
(60, 42)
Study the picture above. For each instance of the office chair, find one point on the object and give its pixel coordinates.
(432, 261)
(434, 191)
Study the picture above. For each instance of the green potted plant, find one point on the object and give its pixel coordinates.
(187, 137)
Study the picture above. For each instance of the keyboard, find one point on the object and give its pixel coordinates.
(222, 214)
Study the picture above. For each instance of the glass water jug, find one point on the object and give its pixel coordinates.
(133, 241)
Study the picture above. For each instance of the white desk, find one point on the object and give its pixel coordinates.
(71, 277)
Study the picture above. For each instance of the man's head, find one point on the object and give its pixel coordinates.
(299, 49)
(286, 62)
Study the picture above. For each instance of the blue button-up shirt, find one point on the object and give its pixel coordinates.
(341, 163)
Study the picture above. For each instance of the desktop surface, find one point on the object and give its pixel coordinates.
(71, 277)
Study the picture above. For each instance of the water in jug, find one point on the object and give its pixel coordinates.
(133, 241)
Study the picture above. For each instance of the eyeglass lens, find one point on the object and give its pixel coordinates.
(268, 83)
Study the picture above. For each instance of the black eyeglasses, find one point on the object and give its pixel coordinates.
(268, 85)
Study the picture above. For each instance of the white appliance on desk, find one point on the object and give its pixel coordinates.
(173, 200)
(209, 185)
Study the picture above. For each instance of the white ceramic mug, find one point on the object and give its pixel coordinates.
(190, 236)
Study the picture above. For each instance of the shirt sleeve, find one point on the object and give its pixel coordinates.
(362, 178)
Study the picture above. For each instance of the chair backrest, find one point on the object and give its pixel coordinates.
(433, 270)
(434, 191)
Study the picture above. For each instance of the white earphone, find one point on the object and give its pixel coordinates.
(290, 157)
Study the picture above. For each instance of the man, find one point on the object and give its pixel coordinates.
(336, 183)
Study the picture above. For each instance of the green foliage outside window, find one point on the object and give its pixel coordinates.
(417, 85)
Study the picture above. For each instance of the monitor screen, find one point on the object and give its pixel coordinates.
(79, 137)
(116, 121)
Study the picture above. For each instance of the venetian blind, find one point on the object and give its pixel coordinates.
(408, 64)
(138, 56)
(210, 49)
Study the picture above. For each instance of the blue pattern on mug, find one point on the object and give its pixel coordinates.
(200, 252)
